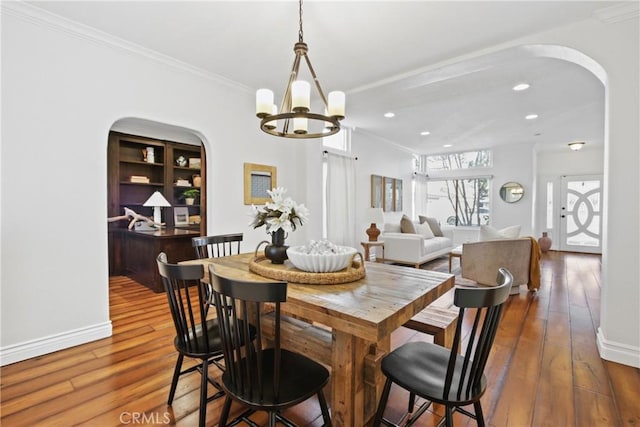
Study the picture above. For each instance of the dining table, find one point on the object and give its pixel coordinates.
(361, 316)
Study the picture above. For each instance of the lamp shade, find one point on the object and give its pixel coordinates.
(157, 199)
(375, 215)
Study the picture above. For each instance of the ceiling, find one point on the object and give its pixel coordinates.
(385, 55)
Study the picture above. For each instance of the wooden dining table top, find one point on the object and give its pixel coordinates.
(369, 308)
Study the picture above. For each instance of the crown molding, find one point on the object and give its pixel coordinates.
(40, 17)
(618, 13)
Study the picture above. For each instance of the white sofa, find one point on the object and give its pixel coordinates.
(413, 249)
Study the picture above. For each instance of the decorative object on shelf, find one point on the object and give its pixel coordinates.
(190, 195)
(374, 216)
(294, 116)
(576, 145)
(181, 182)
(180, 216)
(157, 201)
(194, 163)
(149, 155)
(545, 242)
(280, 215)
(181, 161)
(197, 180)
(138, 179)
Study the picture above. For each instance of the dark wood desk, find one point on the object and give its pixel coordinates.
(140, 249)
(362, 315)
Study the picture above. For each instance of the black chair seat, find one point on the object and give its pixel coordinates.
(300, 379)
(197, 348)
(422, 367)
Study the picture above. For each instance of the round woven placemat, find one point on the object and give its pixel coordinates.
(262, 266)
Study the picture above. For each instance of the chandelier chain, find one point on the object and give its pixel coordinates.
(300, 34)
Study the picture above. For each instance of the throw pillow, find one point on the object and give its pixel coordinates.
(406, 226)
(424, 230)
(433, 224)
(491, 233)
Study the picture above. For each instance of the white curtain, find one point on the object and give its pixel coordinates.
(340, 200)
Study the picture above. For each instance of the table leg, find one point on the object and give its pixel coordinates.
(450, 257)
(356, 379)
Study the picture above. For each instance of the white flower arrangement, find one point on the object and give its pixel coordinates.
(281, 213)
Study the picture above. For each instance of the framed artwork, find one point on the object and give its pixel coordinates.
(180, 216)
(376, 191)
(257, 180)
(386, 193)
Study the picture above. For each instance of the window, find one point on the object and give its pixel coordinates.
(340, 141)
(453, 161)
(459, 201)
(456, 194)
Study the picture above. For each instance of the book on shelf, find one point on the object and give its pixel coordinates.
(139, 179)
(183, 183)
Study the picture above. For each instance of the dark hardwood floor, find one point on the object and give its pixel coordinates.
(544, 368)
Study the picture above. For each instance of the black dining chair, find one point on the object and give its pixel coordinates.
(441, 375)
(263, 379)
(196, 337)
(217, 246)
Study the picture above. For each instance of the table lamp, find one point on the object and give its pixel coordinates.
(157, 201)
(374, 216)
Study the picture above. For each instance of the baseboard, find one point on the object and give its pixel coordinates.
(616, 352)
(28, 349)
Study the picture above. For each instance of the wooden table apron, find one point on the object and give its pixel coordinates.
(362, 315)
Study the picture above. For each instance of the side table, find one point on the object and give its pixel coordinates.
(368, 245)
(455, 253)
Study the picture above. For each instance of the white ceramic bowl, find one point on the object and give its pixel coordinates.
(317, 263)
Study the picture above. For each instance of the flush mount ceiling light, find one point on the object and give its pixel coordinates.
(531, 116)
(294, 117)
(576, 145)
(521, 87)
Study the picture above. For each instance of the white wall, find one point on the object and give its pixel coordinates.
(62, 92)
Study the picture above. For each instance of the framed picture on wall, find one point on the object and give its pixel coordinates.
(258, 179)
(386, 193)
(376, 191)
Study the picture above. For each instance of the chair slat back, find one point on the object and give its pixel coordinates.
(217, 246)
(238, 305)
(488, 305)
(187, 298)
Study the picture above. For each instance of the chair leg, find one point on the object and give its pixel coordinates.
(225, 412)
(272, 419)
(203, 392)
(479, 415)
(383, 403)
(324, 409)
(448, 417)
(174, 381)
(412, 402)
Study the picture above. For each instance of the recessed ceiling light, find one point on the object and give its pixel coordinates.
(448, 145)
(531, 116)
(389, 115)
(521, 86)
(425, 133)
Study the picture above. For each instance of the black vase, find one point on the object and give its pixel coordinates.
(276, 252)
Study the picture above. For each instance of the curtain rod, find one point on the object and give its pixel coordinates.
(325, 152)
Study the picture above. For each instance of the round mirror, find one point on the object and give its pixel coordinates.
(511, 192)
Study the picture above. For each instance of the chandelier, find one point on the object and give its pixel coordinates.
(295, 120)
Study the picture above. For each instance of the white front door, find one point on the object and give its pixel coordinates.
(581, 214)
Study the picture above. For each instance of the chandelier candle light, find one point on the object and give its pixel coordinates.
(296, 103)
